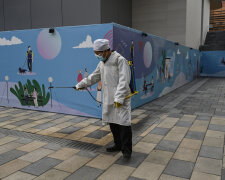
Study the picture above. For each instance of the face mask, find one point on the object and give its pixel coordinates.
(100, 58)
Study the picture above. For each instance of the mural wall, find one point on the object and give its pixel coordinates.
(31, 61)
(160, 65)
(212, 63)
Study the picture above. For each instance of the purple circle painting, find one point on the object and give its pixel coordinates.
(49, 44)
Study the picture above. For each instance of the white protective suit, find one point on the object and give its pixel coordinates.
(115, 77)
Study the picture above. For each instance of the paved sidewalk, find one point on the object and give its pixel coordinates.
(179, 136)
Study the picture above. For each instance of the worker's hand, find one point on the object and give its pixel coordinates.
(117, 105)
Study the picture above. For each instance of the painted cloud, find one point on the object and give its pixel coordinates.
(86, 44)
(14, 40)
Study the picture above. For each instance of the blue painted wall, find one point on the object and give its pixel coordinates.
(64, 55)
(212, 63)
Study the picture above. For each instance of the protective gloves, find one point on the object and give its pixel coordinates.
(117, 105)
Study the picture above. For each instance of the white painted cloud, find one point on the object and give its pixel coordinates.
(86, 44)
(13, 41)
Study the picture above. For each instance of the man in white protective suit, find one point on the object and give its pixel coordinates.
(114, 72)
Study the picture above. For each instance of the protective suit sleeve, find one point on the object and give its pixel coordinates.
(91, 79)
(123, 88)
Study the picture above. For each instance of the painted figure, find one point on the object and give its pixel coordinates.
(132, 50)
(29, 58)
(26, 96)
(152, 88)
(35, 97)
(99, 93)
(114, 72)
(79, 77)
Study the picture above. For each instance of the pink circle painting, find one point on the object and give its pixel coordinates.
(48, 44)
(147, 54)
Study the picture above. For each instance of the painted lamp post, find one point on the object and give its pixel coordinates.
(50, 80)
(7, 78)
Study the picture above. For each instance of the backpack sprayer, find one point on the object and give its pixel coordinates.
(132, 84)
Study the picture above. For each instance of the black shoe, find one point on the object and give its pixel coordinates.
(113, 148)
(126, 155)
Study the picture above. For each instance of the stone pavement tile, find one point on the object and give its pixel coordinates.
(52, 146)
(77, 135)
(48, 131)
(215, 127)
(203, 118)
(103, 161)
(215, 134)
(211, 152)
(201, 123)
(58, 135)
(19, 176)
(11, 167)
(23, 140)
(22, 122)
(9, 146)
(190, 143)
(160, 131)
(174, 136)
(211, 141)
(195, 135)
(89, 154)
(39, 167)
(32, 130)
(186, 154)
(167, 145)
(197, 128)
(136, 120)
(144, 147)
(208, 165)
(9, 126)
(134, 178)
(168, 177)
(7, 139)
(87, 173)
(179, 130)
(53, 174)
(187, 117)
(69, 130)
(45, 125)
(63, 153)
(64, 125)
(183, 124)
(175, 115)
(10, 155)
(73, 163)
(88, 140)
(152, 138)
(148, 171)
(36, 155)
(218, 121)
(159, 157)
(105, 140)
(179, 168)
(31, 146)
(137, 112)
(203, 176)
(77, 119)
(98, 134)
(148, 130)
(135, 160)
(105, 128)
(117, 171)
(166, 124)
